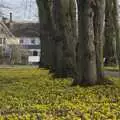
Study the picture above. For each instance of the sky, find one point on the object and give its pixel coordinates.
(22, 10)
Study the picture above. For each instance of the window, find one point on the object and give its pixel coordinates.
(2, 30)
(21, 41)
(4, 40)
(35, 53)
(33, 41)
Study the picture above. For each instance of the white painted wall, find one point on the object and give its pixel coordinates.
(12, 41)
(32, 59)
(27, 40)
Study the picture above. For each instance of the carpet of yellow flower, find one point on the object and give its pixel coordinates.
(33, 94)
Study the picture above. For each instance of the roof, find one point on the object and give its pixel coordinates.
(24, 29)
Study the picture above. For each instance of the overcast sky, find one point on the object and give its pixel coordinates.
(22, 9)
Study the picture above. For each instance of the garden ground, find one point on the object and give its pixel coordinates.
(33, 94)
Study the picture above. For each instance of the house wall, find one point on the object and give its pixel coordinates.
(32, 45)
(29, 40)
(11, 45)
(3, 41)
(12, 41)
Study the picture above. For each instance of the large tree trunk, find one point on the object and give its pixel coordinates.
(59, 36)
(109, 46)
(46, 34)
(117, 29)
(99, 21)
(91, 14)
(65, 27)
(86, 63)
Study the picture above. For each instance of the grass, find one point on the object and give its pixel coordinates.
(32, 94)
(111, 68)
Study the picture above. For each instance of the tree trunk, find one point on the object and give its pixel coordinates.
(117, 29)
(65, 27)
(57, 20)
(99, 17)
(46, 34)
(109, 46)
(86, 63)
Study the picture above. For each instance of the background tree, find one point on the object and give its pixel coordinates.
(109, 44)
(15, 55)
(117, 29)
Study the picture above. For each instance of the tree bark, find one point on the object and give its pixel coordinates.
(99, 18)
(109, 46)
(86, 63)
(46, 34)
(65, 27)
(117, 29)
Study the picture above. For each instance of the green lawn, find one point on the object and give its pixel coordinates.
(32, 94)
(111, 68)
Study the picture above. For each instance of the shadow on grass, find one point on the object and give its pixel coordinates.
(85, 84)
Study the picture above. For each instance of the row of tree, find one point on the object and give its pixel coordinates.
(73, 34)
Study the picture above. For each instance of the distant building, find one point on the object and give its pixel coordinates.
(26, 35)
(29, 38)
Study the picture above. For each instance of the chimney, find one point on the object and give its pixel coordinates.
(10, 17)
(10, 22)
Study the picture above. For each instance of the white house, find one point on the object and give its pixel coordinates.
(32, 45)
(25, 35)
(29, 38)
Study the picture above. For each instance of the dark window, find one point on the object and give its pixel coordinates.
(4, 40)
(33, 41)
(35, 53)
(21, 41)
(2, 30)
